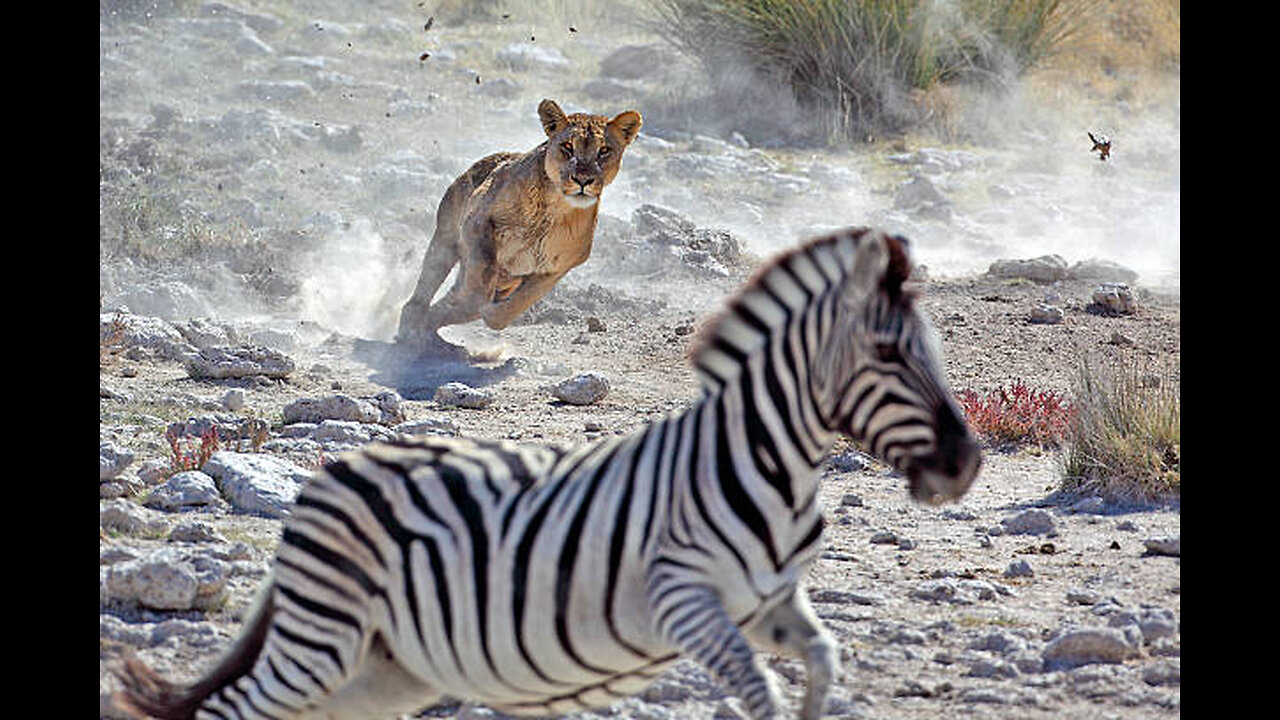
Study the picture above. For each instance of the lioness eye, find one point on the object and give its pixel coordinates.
(604, 152)
(567, 148)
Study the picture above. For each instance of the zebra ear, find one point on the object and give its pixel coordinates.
(869, 264)
(898, 267)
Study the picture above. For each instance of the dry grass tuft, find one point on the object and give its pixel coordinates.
(1125, 440)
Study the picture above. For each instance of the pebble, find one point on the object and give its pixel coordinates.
(233, 399)
(221, 363)
(255, 482)
(461, 395)
(1045, 314)
(1115, 298)
(1044, 269)
(1085, 646)
(187, 489)
(1171, 546)
(331, 407)
(1030, 522)
(1019, 568)
(112, 460)
(581, 389)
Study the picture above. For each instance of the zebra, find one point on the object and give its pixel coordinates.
(541, 581)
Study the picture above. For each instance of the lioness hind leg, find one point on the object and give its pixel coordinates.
(500, 313)
(441, 256)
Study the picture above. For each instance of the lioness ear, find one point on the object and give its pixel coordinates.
(626, 124)
(552, 117)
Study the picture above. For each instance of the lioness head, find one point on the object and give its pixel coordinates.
(584, 151)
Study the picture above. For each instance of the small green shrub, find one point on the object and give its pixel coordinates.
(1125, 441)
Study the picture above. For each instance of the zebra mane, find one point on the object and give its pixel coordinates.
(791, 282)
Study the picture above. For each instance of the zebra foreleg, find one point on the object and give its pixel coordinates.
(792, 629)
(696, 623)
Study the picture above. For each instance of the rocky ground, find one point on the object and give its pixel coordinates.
(263, 166)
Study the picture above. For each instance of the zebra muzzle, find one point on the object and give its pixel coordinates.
(946, 473)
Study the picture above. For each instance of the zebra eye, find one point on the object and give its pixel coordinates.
(888, 352)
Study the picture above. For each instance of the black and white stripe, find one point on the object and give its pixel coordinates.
(541, 581)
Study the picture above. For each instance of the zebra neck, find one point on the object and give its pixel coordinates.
(758, 447)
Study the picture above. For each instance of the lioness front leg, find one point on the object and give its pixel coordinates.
(501, 313)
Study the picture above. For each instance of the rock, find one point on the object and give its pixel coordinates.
(918, 191)
(1114, 298)
(1154, 622)
(226, 426)
(129, 518)
(220, 363)
(1171, 546)
(390, 407)
(1044, 269)
(233, 399)
(845, 597)
(1097, 270)
(1030, 522)
(1165, 672)
(145, 333)
(256, 483)
(1019, 568)
(850, 500)
(582, 389)
(456, 394)
(112, 460)
(348, 433)
(187, 489)
(884, 537)
(1082, 596)
(848, 461)
(428, 426)
(1085, 646)
(1093, 505)
(635, 62)
(204, 333)
(949, 590)
(1046, 314)
(331, 407)
(195, 531)
(167, 579)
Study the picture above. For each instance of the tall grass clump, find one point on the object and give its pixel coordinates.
(860, 66)
(1125, 439)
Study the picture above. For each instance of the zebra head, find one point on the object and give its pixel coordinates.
(883, 380)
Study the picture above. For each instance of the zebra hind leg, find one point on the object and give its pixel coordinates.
(381, 688)
(791, 628)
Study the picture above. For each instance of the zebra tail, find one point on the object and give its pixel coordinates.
(146, 694)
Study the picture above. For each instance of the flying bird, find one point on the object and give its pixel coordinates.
(1102, 145)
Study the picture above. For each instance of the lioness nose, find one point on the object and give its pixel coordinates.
(583, 182)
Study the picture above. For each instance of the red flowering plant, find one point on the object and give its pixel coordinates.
(1018, 415)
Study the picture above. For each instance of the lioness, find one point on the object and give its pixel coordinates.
(517, 223)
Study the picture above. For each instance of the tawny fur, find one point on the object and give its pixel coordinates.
(516, 224)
